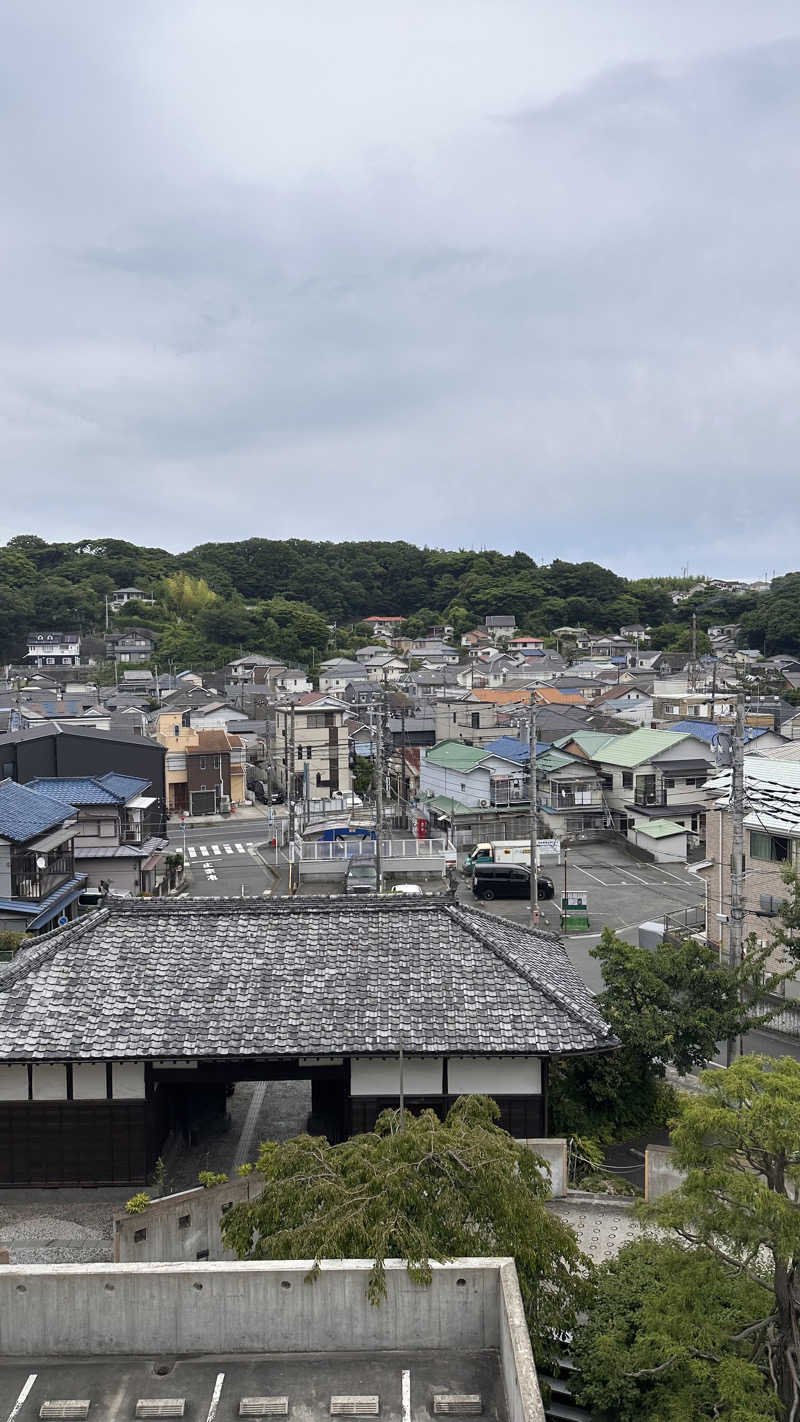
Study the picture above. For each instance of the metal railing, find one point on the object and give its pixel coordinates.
(338, 849)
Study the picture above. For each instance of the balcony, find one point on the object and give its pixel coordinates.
(31, 881)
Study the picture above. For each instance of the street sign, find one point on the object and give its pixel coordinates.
(574, 910)
(549, 847)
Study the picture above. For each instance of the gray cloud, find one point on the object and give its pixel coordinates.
(464, 274)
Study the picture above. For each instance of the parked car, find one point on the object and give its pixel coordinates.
(361, 876)
(508, 881)
(277, 797)
(259, 791)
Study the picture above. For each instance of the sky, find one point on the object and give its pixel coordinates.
(470, 273)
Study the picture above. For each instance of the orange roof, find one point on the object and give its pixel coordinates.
(553, 696)
(500, 698)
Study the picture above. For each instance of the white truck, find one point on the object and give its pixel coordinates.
(508, 851)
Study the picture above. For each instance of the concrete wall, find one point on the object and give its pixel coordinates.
(180, 1227)
(554, 1151)
(261, 1307)
(660, 1175)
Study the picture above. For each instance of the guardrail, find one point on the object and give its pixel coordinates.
(316, 851)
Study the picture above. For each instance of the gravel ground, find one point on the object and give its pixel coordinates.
(75, 1226)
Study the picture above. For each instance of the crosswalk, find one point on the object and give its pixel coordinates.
(218, 851)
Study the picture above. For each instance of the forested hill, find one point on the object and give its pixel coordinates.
(296, 587)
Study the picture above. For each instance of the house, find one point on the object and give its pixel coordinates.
(569, 793)
(216, 715)
(116, 844)
(654, 775)
(293, 681)
(321, 747)
(252, 670)
(471, 721)
(223, 772)
(384, 669)
(336, 673)
(426, 648)
(500, 626)
(415, 729)
(54, 649)
(135, 644)
(471, 776)
(771, 844)
(550, 696)
(428, 684)
(215, 772)
(39, 885)
(632, 704)
(758, 739)
(665, 841)
(476, 639)
(382, 626)
(526, 644)
(120, 596)
(634, 632)
(165, 1003)
(617, 649)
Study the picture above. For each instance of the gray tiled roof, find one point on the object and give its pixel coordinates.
(247, 977)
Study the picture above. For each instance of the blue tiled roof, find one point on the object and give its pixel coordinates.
(25, 813)
(45, 909)
(510, 748)
(708, 730)
(110, 789)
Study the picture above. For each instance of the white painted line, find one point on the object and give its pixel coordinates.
(228, 848)
(215, 849)
(21, 1399)
(676, 877)
(192, 853)
(647, 882)
(240, 849)
(592, 876)
(203, 849)
(406, 1394)
(215, 1396)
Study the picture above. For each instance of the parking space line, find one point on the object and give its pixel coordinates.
(192, 853)
(18, 1405)
(573, 867)
(215, 849)
(228, 848)
(406, 1394)
(215, 1397)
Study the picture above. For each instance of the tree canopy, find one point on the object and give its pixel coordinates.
(426, 1190)
(671, 1005)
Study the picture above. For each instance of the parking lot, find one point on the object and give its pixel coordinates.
(622, 892)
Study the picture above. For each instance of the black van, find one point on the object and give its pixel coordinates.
(508, 881)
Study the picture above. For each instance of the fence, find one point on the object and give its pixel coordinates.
(337, 850)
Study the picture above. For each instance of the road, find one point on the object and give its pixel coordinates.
(222, 860)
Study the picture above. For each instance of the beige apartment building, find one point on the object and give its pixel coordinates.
(321, 747)
(771, 844)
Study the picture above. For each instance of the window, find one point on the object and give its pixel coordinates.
(216, 762)
(669, 782)
(475, 720)
(308, 752)
(627, 779)
(176, 730)
(202, 762)
(774, 847)
(607, 782)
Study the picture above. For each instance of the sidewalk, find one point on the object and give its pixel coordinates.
(242, 812)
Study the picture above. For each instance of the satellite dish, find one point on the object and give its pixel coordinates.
(41, 862)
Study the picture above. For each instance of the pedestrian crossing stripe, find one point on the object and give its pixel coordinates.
(203, 851)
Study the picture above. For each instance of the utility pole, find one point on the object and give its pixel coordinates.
(379, 794)
(736, 924)
(290, 753)
(404, 793)
(534, 829)
(693, 670)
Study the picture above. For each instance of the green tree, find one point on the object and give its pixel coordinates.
(660, 1340)
(363, 775)
(186, 595)
(432, 1190)
(739, 1204)
(672, 1005)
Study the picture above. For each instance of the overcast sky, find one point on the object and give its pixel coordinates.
(465, 272)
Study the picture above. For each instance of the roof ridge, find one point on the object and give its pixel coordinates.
(456, 911)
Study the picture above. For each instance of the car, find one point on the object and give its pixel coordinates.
(508, 881)
(259, 791)
(277, 797)
(362, 875)
(406, 889)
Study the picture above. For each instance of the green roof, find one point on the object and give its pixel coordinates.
(659, 829)
(446, 806)
(638, 747)
(589, 741)
(454, 755)
(555, 760)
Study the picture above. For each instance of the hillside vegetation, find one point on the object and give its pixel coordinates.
(281, 596)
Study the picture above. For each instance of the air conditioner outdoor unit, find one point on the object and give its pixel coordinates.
(484, 804)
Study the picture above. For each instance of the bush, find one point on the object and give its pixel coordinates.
(137, 1204)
